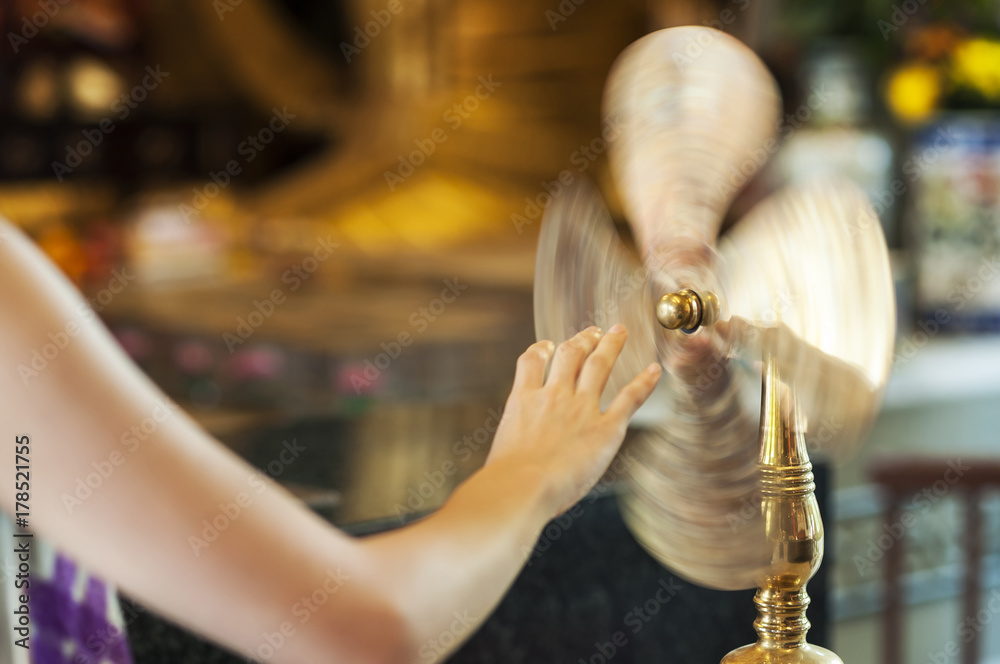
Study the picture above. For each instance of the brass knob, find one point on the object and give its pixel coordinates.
(681, 310)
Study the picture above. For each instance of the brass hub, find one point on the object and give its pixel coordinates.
(686, 310)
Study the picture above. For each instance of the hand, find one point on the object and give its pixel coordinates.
(556, 426)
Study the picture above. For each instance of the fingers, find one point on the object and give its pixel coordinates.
(570, 356)
(634, 394)
(531, 365)
(597, 368)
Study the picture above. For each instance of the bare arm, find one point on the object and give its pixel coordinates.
(390, 598)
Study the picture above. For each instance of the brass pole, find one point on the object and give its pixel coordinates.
(794, 532)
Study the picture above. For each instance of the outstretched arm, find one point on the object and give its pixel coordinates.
(277, 573)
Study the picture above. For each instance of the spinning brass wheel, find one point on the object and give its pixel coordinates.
(775, 337)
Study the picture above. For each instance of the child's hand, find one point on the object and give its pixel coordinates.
(557, 427)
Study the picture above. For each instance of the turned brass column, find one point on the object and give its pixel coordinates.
(794, 533)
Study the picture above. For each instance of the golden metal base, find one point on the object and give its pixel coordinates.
(794, 532)
(756, 653)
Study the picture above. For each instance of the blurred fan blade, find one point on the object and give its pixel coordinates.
(810, 264)
(584, 275)
(693, 109)
(693, 497)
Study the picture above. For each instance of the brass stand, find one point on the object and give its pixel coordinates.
(794, 533)
(792, 524)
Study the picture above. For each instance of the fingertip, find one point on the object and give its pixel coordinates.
(617, 328)
(652, 374)
(530, 370)
(546, 349)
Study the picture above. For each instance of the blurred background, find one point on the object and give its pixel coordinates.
(313, 223)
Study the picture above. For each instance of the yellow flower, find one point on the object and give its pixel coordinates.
(976, 63)
(913, 92)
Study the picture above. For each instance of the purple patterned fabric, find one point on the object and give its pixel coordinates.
(71, 632)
